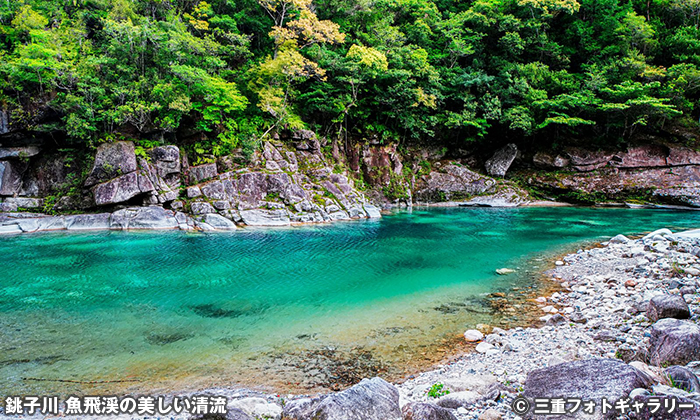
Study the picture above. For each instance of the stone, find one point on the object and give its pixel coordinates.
(98, 221)
(548, 161)
(11, 176)
(18, 152)
(674, 342)
(473, 335)
(592, 379)
(459, 399)
(584, 160)
(259, 217)
(619, 239)
(219, 222)
(166, 160)
(371, 399)
(200, 173)
(258, 408)
(201, 207)
(372, 211)
(193, 192)
(451, 182)
(556, 319)
(500, 162)
(112, 160)
(667, 306)
(683, 378)
(122, 188)
(425, 411)
(152, 217)
(490, 414)
(483, 347)
(25, 202)
(504, 271)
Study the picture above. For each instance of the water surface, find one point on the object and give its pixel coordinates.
(303, 308)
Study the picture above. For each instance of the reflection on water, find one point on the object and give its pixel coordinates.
(307, 308)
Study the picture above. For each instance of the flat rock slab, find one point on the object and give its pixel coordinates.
(88, 221)
(371, 399)
(152, 217)
(265, 217)
(590, 380)
(674, 342)
(668, 306)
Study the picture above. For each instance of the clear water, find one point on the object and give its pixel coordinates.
(291, 309)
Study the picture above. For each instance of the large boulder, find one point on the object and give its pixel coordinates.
(667, 306)
(451, 182)
(500, 162)
(122, 189)
(674, 342)
(111, 161)
(425, 411)
(202, 172)
(590, 380)
(166, 159)
(18, 152)
(371, 399)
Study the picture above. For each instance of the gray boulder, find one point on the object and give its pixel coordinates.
(166, 159)
(11, 176)
(667, 306)
(371, 399)
(674, 342)
(111, 161)
(592, 379)
(683, 378)
(122, 189)
(500, 162)
(425, 411)
(219, 222)
(202, 172)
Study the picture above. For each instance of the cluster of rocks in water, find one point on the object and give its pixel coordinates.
(157, 189)
(624, 326)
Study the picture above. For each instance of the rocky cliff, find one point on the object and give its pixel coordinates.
(302, 179)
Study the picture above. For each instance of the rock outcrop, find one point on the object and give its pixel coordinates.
(425, 411)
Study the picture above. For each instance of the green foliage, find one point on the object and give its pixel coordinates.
(393, 70)
(437, 390)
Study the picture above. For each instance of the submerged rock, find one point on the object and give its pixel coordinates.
(371, 399)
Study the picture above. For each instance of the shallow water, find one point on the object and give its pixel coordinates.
(303, 308)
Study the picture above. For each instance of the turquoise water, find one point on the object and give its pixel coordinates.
(162, 311)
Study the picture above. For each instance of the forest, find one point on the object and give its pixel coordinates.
(223, 74)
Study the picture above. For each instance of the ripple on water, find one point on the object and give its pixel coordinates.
(300, 309)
